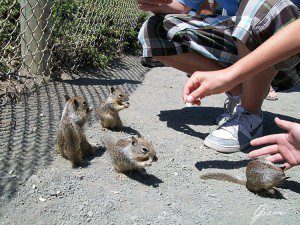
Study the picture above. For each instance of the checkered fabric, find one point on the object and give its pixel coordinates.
(214, 36)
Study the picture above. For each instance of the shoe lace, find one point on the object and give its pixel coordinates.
(226, 105)
(237, 121)
(229, 105)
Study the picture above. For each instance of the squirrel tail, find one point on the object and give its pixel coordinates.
(223, 177)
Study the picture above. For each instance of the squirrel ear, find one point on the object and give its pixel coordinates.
(76, 103)
(133, 140)
(112, 89)
(67, 97)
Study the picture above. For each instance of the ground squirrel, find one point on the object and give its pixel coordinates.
(131, 154)
(261, 176)
(109, 110)
(71, 141)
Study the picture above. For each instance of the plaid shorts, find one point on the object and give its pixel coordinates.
(214, 36)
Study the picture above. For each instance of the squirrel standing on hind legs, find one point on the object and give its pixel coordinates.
(109, 110)
(71, 140)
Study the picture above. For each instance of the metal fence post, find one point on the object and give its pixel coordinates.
(35, 24)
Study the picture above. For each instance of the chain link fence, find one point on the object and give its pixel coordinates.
(41, 39)
(50, 48)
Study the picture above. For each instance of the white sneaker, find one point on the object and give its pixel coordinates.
(229, 108)
(236, 133)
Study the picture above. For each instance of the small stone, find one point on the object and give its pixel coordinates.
(42, 199)
(213, 196)
(90, 214)
(34, 180)
(34, 187)
(79, 175)
(52, 193)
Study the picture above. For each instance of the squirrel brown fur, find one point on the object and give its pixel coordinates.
(131, 154)
(108, 111)
(71, 140)
(260, 176)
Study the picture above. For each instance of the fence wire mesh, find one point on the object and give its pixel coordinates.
(49, 49)
(41, 38)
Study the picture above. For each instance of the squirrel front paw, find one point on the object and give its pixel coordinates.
(121, 177)
(126, 104)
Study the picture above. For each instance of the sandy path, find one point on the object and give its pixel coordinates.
(173, 193)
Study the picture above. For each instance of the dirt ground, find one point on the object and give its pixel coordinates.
(173, 192)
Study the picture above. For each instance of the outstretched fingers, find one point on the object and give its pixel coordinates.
(287, 166)
(272, 149)
(275, 158)
(270, 139)
(284, 124)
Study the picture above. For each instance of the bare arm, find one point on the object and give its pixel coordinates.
(163, 6)
(282, 45)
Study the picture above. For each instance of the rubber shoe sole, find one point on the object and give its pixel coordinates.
(227, 149)
(232, 148)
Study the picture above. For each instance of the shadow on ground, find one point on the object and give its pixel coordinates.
(181, 120)
(221, 164)
(145, 178)
(291, 185)
(28, 129)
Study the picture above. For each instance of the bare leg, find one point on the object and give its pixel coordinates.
(191, 62)
(255, 88)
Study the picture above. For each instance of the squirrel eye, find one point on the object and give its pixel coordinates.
(145, 150)
(84, 102)
(121, 96)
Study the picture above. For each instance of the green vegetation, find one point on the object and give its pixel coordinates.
(9, 31)
(84, 33)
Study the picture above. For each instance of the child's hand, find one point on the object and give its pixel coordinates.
(285, 147)
(150, 5)
(202, 84)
